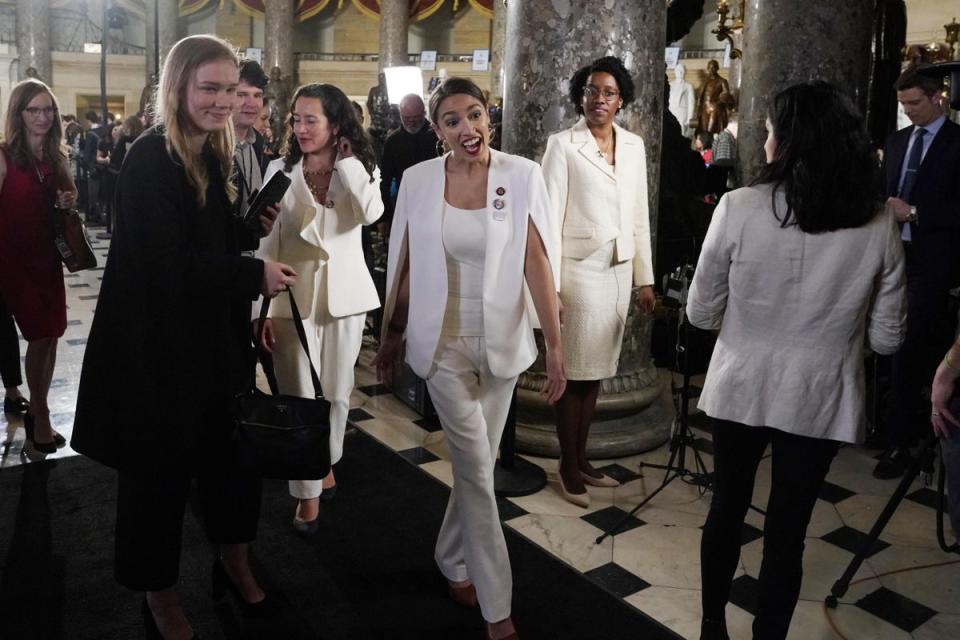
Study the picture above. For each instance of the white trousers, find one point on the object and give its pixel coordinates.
(334, 346)
(472, 405)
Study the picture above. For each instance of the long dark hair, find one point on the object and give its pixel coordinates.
(823, 162)
(341, 116)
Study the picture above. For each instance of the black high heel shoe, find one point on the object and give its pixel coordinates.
(40, 447)
(151, 631)
(16, 405)
(221, 583)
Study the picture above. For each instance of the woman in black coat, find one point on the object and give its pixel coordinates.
(169, 347)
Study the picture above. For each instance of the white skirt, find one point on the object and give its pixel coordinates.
(595, 293)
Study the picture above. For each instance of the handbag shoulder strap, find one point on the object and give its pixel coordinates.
(301, 334)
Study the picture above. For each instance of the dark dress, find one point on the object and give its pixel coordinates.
(168, 351)
(31, 275)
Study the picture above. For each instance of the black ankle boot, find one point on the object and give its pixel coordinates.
(713, 630)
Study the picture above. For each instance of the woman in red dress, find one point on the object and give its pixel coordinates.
(34, 177)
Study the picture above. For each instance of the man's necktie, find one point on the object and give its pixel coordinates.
(910, 178)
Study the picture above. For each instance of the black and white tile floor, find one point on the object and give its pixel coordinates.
(653, 561)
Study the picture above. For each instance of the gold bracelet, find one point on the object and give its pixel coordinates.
(949, 365)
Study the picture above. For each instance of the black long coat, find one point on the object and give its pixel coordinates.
(169, 346)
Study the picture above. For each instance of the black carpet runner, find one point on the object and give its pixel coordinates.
(368, 574)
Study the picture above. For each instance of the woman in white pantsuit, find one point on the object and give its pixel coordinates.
(335, 190)
(471, 229)
(596, 174)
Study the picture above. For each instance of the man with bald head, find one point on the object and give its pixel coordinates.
(413, 142)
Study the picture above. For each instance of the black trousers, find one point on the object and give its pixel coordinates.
(9, 349)
(799, 466)
(150, 510)
(929, 334)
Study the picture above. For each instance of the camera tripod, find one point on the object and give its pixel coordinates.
(923, 462)
(680, 439)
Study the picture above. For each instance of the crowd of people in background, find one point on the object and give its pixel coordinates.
(482, 246)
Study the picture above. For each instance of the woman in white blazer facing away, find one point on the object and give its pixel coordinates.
(596, 174)
(335, 190)
(471, 233)
(795, 272)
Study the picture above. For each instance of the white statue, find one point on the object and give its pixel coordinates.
(682, 100)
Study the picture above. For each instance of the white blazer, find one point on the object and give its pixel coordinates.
(307, 235)
(792, 309)
(516, 194)
(578, 181)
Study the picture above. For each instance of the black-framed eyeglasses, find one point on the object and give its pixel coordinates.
(33, 112)
(608, 95)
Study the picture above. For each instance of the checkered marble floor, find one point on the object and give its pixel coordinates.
(653, 560)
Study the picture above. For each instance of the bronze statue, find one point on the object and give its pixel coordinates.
(711, 90)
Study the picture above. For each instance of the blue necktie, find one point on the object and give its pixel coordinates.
(910, 178)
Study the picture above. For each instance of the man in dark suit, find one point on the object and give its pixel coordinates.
(922, 185)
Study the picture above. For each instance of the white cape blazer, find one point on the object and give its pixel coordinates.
(516, 194)
(307, 235)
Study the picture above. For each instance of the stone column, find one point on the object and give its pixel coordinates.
(498, 43)
(546, 43)
(33, 40)
(278, 59)
(161, 23)
(394, 17)
(787, 42)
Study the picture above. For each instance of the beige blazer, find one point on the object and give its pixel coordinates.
(793, 309)
(308, 235)
(589, 212)
(516, 195)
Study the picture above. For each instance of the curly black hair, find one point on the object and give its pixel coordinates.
(341, 115)
(607, 64)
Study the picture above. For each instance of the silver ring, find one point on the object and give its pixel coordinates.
(935, 414)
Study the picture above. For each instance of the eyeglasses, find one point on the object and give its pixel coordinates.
(33, 112)
(594, 93)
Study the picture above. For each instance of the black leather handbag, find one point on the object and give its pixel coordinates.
(279, 436)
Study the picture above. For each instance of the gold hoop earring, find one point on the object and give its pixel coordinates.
(441, 147)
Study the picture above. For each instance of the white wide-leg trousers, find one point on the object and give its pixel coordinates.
(472, 405)
(334, 346)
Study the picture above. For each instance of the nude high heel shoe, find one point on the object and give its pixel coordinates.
(579, 499)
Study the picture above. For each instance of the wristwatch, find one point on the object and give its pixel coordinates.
(913, 214)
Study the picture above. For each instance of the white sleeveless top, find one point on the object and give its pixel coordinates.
(465, 244)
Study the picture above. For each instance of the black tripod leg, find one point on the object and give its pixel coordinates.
(671, 474)
(840, 586)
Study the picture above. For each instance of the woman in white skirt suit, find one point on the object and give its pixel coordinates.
(467, 240)
(596, 174)
(335, 190)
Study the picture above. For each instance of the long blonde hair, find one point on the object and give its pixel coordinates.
(179, 71)
(15, 129)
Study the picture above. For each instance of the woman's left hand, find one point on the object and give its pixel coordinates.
(940, 393)
(644, 299)
(66, 199)
(556, 376)
(268, 218)
(345, 148)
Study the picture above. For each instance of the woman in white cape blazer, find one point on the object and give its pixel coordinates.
(508, 315)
